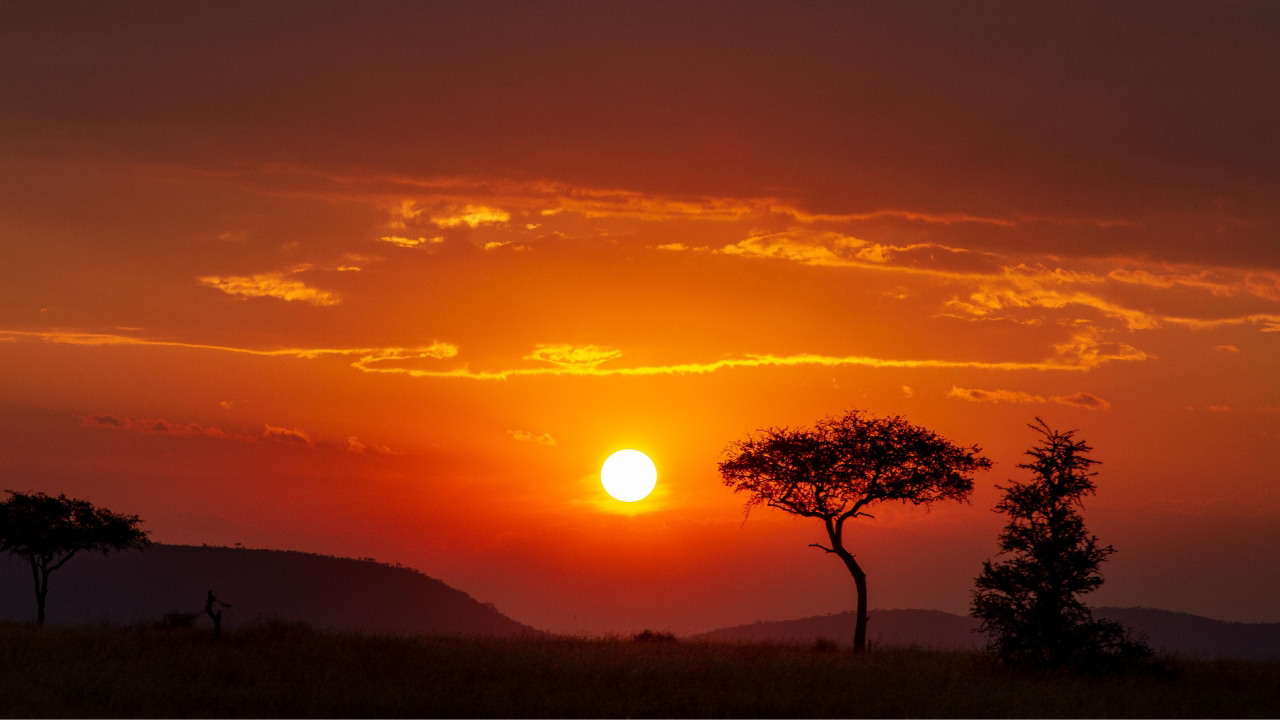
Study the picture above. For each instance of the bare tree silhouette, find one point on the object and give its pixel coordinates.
(1029, 605)
(841, 466)
(48, 531)
(215, 616)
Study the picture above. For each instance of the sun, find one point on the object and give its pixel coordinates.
(629, 475)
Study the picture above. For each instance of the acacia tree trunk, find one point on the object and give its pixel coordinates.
(41, 577)
(859, 580)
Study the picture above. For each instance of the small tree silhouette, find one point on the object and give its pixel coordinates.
(839, 467)
(215, 616)
(48, 531)
(1029, 605)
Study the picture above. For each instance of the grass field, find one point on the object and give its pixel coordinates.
(282, 670)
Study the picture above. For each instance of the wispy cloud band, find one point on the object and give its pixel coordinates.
(1082, 352)
(270, 285)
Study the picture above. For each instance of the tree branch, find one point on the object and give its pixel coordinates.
(64, 560)
(821, 547)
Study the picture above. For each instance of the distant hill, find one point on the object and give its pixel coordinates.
(1165, 630)
(925, 628)
(330, 592)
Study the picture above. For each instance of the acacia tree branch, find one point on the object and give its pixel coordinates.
(794, 509)
(64, 560)
(854, 511)
(821, 547)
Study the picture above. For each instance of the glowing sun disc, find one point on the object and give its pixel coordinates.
(629, 475)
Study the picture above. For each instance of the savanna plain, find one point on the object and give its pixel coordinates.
(276, 669)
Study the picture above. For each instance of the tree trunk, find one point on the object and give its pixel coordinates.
(41, 577)
(859, 580)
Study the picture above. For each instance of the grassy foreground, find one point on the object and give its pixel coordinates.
(281, 670)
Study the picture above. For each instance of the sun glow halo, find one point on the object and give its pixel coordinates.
(629, 475)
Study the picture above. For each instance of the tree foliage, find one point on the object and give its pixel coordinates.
(48, 531)
(1030, 604)
(841, 466)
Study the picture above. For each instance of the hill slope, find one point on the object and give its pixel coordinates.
(1165, 630)
(330, 592)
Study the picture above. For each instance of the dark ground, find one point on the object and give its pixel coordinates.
(292, 671)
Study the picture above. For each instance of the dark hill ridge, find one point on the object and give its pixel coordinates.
(1165, 630)
(325, 591)
(926, 628)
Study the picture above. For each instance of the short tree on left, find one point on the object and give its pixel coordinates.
(47, 531)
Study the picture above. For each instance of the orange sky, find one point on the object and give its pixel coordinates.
(390, 280)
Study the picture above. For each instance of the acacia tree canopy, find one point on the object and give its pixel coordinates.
(48, 531)
(843, 465)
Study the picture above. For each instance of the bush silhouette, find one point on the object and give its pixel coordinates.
(1030, 604)
(654, 636)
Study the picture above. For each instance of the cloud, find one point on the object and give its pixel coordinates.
(1088, 350)
(1025, 287)
(411, 242)
(525, 436)
(568, 356)
(1081, 353)
(1265, 322)
(270, 285)
(478, 195)
(827, 248)
(355, 446)
(161, 427)
(552, 198)
(471, 216)
(283, 434)
(833, 249)
(995, 396)
(907, 392)
(1221, 282)
(997, 287)
(271, 432)
(1227, 348)
(372, 356)
(1080, 399)
(368, 356)
(1022, 287)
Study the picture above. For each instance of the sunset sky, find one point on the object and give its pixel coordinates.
(392, 280)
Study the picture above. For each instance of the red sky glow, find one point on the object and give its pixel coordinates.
(393, 279)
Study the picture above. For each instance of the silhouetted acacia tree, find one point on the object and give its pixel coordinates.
(48, 531)
(1029, 605)
(841, 466)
